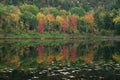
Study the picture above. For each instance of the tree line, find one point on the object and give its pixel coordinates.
(26, 17)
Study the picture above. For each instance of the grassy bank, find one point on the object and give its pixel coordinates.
(42, 36)
(54, 35)
(34, 35)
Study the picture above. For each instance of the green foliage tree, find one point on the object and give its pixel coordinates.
(108, 24)
(30, 8)
(104, 23)
(38, 3)
(13, 2)
(82, 25)
(116, 21)
(78, 11)
(53, 11)
(29, 20)
(99, 18)
(66, 4)
(3, 19)
(3, 10)
(28, 16)
(11, 9)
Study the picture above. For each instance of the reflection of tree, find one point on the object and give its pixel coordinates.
(15, 60)
(45, 54)
(63, 55)
(50, 56)
(41, 55)
(25, 55)
(3, 56)
(90, 54)
(10, 54)
(117, 47)
(116, 57)
(40, 50)
(73, 52)
(82, 49)
(104, 51)
(85, 51)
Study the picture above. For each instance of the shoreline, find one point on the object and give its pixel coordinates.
(58, 36)
(66, 38)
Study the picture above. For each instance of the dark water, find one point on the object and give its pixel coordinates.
(59, 60)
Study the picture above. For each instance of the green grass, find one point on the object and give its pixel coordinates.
(33, 34)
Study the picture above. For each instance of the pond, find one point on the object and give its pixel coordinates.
(59, 60)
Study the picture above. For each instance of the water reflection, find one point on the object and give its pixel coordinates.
(20, 55)
(74, 56)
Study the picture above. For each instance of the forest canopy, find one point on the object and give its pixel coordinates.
(64, 16)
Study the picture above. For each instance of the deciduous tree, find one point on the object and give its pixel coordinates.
(40, 26)
(73, 22)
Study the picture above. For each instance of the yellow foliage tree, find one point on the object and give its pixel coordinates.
(64, 12)
(15, 17)
(40, 15)
(50, 20)
(59, 19)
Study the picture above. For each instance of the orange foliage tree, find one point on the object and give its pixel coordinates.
(63, 23)
(89, 17)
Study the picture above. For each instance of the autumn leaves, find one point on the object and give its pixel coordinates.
(64, 23)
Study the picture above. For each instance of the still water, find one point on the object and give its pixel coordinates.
(59, 60)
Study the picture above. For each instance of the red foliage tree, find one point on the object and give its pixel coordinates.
(73, 22)
(40, 26)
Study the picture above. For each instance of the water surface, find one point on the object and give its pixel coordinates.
(59, 60)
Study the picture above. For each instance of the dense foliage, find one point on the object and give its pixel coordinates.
(66, 16)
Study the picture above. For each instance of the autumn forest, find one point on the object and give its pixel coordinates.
(59, 17)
